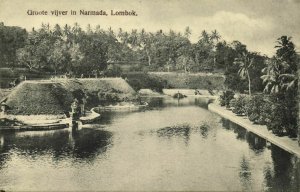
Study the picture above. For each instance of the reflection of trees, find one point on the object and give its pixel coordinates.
(89, 142)
(285, 174)
(84, 143)
(159, 103)
(204, 130)
(3, 151)
(240, 131)
(256, 143)
(202, 102)
(182, 131)
(226, 123)
(245, 174)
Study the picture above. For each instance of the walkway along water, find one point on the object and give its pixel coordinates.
(285, 143)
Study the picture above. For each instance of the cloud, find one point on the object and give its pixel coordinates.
(256, 33)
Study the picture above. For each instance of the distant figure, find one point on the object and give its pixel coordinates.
(75, 110)
(3, 108)
(82, 105)
(75, 114)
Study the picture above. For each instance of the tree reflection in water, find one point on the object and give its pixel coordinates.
(83, 144)
(282, 175)
(245, 174)
(182, 131)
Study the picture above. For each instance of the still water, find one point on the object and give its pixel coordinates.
(173, 145)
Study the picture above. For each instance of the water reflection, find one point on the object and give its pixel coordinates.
(83, 144)
(171, 146)
(256, 143)
(245, 174)
(204, 130)
(284, 174)
(180, 131)
(160, 103)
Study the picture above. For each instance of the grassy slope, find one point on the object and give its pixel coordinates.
(39, 98)
(158, 80)
(55, 97)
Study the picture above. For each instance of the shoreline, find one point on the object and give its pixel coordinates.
(284, 142)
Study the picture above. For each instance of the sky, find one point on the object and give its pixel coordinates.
(256, 23)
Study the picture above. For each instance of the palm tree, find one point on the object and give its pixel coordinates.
(245, 63)
(187, 32)
(215, 39)
(215, 35)
(271, 77)
(205, 36)
(275, 78)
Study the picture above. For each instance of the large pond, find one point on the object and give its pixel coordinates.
(173, 145)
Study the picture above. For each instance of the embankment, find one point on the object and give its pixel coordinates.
(285, 143)
(159, 80)
(55, 96)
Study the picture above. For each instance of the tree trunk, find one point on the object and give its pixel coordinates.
(149, 58)
(249, 83)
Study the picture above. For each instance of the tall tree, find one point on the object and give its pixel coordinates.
(245, 63)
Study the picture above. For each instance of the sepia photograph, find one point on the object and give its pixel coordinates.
(149, 95)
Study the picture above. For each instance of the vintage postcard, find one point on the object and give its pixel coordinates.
(149, 95)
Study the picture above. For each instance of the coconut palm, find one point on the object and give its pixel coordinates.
(215, 35)
(187, 32)
(245, 63)
(271, 77)
(205, 36)
(275, 78)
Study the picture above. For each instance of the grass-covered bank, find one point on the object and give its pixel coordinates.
(286, 143)
(159, 80)
(55, 96)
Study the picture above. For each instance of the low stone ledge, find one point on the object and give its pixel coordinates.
(35, 127)
(285, 142)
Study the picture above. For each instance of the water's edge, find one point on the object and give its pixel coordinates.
(283, 142)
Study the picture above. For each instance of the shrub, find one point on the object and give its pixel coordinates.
(226, 97)
(108, 97)
(239, 106)
(142, 81)
(277, 119)
(113, 71)
(259, 109)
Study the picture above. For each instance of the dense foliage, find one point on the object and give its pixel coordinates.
(226, 97)
(278, 106)
(72, 50)
(239, 105)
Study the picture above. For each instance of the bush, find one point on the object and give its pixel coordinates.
(277, 119)
(108, 97)
(258, 109)
(113, 71)
(239, 106)
(226, 97)
(143, 81)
